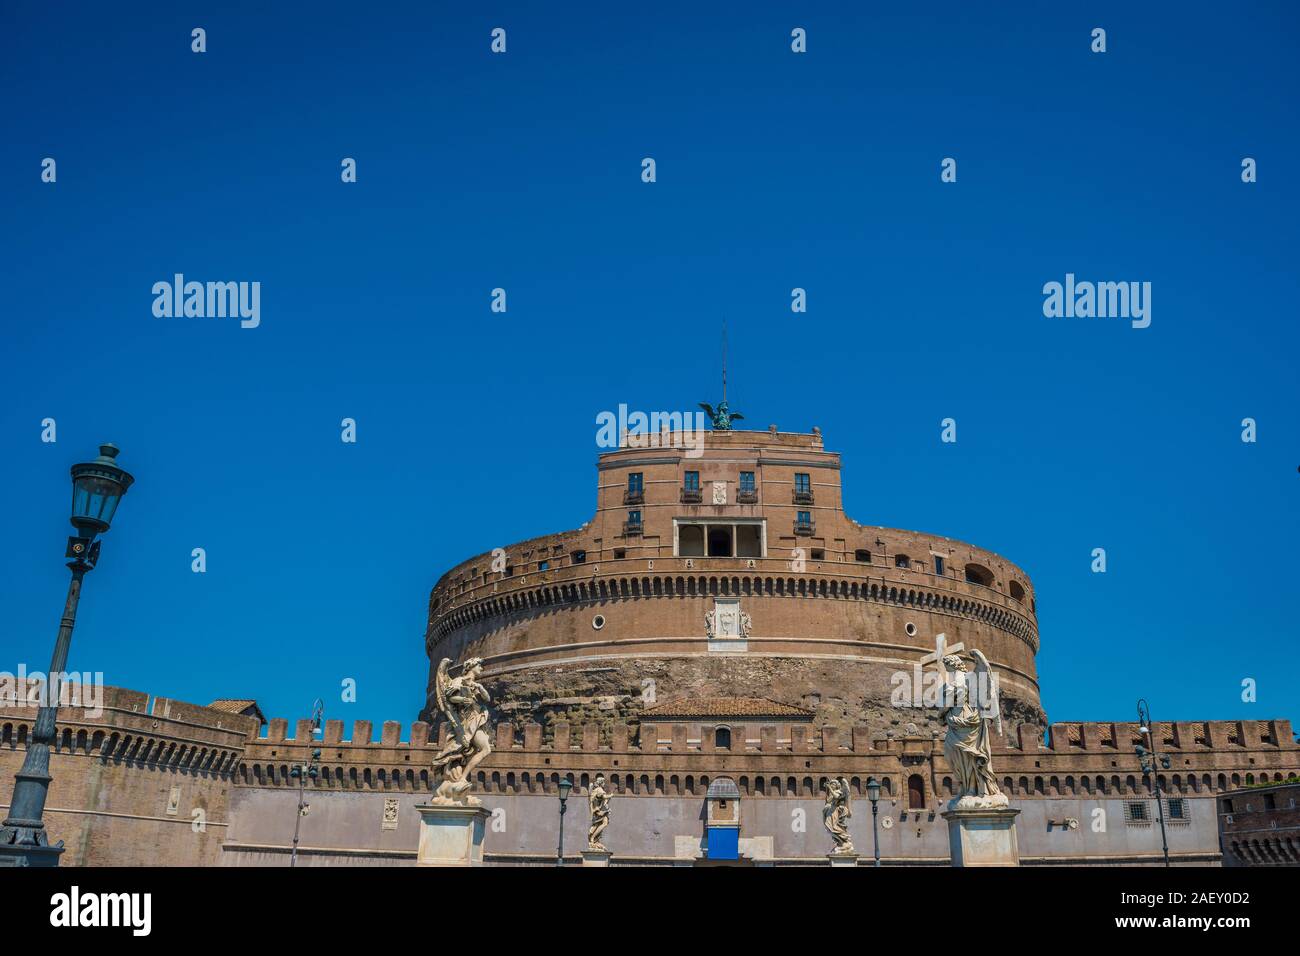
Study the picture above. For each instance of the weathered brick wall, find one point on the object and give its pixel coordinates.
(114, 774)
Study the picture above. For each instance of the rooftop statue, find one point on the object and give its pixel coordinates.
(722, 418)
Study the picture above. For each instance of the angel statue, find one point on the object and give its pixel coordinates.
(598, 803)
(967, 744)
(463, 702)
(836, 814)
(722, 418)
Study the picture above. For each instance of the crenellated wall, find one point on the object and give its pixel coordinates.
(142, 782)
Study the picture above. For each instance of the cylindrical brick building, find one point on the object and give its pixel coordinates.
(721, 565)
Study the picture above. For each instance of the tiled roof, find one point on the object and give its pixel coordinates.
(689, 707)
(237, 705)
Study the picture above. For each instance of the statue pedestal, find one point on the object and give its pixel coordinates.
(451, 835)
(983, 836)
(596, 857)
(843, 859)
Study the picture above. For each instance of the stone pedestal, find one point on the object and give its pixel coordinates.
(843, 859)
(451, 835)
(983, 836)
(592, 857)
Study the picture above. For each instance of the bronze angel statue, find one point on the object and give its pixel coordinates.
(463, 703)
(722, 418)
(836, 813)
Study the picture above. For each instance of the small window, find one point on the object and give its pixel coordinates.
(978, 574)
(1269, 802)
(863, 555)
(938, 565)
(1135, 811)
(543, 565)
(722, 740)
(578, 557)
(746, 481)
(1177, 809)
(620, 554)
(818, 554)
(634, 517)
(803, 517)
(634, 483)
(801, 484)
(1227, 806)
(692, 481)
(1018, 591)
(902, 561)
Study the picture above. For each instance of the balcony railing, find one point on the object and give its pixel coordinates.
(631, 497)
(803, 497)
(692, 496)
(631, 527)
(805, 527)
(746, 497)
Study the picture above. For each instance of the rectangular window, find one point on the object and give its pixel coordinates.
(1177, 809)
(620, 554)
(634, 517)
(818, 554)
(938, 565)
(692, 481)
(746, 481)
(543, 565)
(1135, 811)
(863, 555)
(803, 517)
(578, 557)
(801, 484)
(634, 482)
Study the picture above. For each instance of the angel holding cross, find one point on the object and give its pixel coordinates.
(967, 745)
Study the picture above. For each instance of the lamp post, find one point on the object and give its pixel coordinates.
(1147, 758)
(565, 786)
(302, 772)
(97, 487)
(873, 794)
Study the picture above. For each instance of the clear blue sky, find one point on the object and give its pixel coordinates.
(522, 171)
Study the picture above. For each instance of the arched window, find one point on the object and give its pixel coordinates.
(978, 574)
(915, 792)
(1018, 591)
(722, 738)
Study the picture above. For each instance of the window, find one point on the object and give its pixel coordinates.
(634, 517)
(818, 554)
(692, 481)
(1269, 802)
(915, 792)
(1227, 806)
(620, 554)
(802, 484)
(720, 541)
(978, 574)
(1018, 591)
(746, 481)
(902, 561)
(634, 483)
(1135, 811)
(803, 517)
(722, 741)
(578, 557)
(938, 565)
(1177, 809)
(863, 555)
(543, 565)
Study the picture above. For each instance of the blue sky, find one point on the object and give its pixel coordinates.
(522, 171)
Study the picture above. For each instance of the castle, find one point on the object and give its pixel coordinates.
(719, 639)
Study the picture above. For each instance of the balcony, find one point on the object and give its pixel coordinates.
(692, 496)
(631, 497)
(805, 528)
(803, 497)
(747, 497)
(631, 527)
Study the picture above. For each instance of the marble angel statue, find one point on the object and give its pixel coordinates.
(836, 813)
(967, 745)
(463, 703)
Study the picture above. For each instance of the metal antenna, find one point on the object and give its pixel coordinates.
(724, 360)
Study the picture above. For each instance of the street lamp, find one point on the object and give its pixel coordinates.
(301, 772)
(1148, 758)
(873, 794)
(97, 487)
(565, 786)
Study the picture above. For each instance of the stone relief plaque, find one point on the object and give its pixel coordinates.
(719, 492)
(390, 813)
